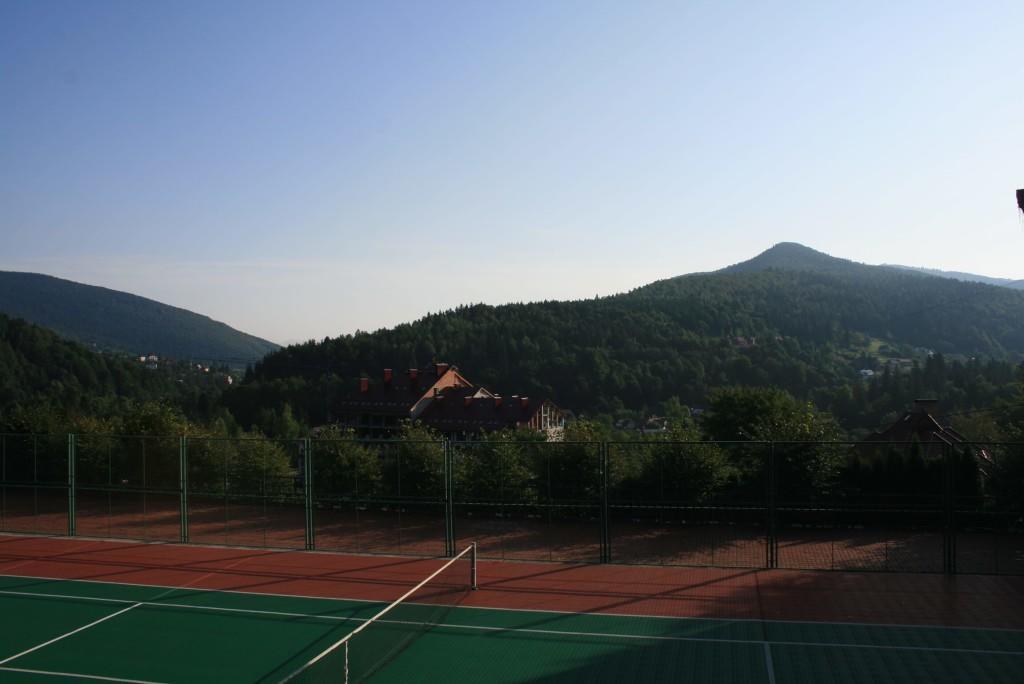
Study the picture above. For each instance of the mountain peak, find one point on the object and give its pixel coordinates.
(790, 256)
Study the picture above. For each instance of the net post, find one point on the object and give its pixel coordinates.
(472, 568)
(346, 663)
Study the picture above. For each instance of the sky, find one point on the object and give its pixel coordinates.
(308, 169)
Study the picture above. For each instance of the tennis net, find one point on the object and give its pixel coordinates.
(380, 639)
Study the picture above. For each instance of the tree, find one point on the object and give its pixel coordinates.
(807, 464)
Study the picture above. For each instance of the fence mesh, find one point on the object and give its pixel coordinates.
(989, 509)
(676, 503)
(528, 500)
(127, 487)
(864, 506)
(379, 496)
(245, 492)
(34, 493)
(915, 507)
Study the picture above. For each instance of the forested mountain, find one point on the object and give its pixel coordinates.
(969, 277)
(791, 290)
(41, 373)
(791, 318)
(109, 320)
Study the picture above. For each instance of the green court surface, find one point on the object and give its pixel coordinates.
(63, 630)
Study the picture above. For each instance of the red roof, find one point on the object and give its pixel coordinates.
(458, 409)
(401, 394)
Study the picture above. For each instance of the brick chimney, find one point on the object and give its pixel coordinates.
(387, 376)
(364, 385)
(467, 400)
(925, 406)
(497, 402)
(524, 402)
(441, 368)
(414, 375)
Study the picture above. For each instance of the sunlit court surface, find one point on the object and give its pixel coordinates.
(91, 610)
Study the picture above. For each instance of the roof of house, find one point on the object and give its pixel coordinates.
(401, 393)
(459, 409)
(919, 425)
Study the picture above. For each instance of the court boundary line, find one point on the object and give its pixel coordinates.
(749, 642)
(53, 673)
(483, 586)
(768, 662)
(67, 634)
(158, 604)
(526, 630)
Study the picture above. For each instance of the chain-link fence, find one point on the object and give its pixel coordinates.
(914, 507)
(379, 496)
(988, 494)
(688, 503)
(127, 487)
(863, 506)
(528, 500)
(243, 492)
(34, 478)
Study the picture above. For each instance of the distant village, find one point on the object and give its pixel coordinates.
(153, 362)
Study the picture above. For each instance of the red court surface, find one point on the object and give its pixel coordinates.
(884, 598)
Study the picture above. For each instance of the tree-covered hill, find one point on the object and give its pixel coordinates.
(969, 277)
(792, 318)
(792, 290)
(41, 373)
(109, 320)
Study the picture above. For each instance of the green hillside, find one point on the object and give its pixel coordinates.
(117, 321)
(969, 277)
(791, 318)
(41, 371)
(792, 290)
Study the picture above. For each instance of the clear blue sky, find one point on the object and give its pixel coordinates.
(306, 169)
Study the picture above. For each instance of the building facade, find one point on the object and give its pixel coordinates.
(441, 398)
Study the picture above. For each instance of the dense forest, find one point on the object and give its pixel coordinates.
(49, 384)
(108, 320)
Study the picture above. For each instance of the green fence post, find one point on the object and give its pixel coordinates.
(449, 495)
(949, 506)
(71, 486)
(183, 485)
(773, 547)
(307, 492)
(606, 537)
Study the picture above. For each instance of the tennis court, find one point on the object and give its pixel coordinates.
(85, 610)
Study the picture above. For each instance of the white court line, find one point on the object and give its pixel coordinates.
(65, 675)
(190, 606)
(712, 640)
(768, 663)
(516, 630)
(527, 630)
(65, 636)
(535, 610)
